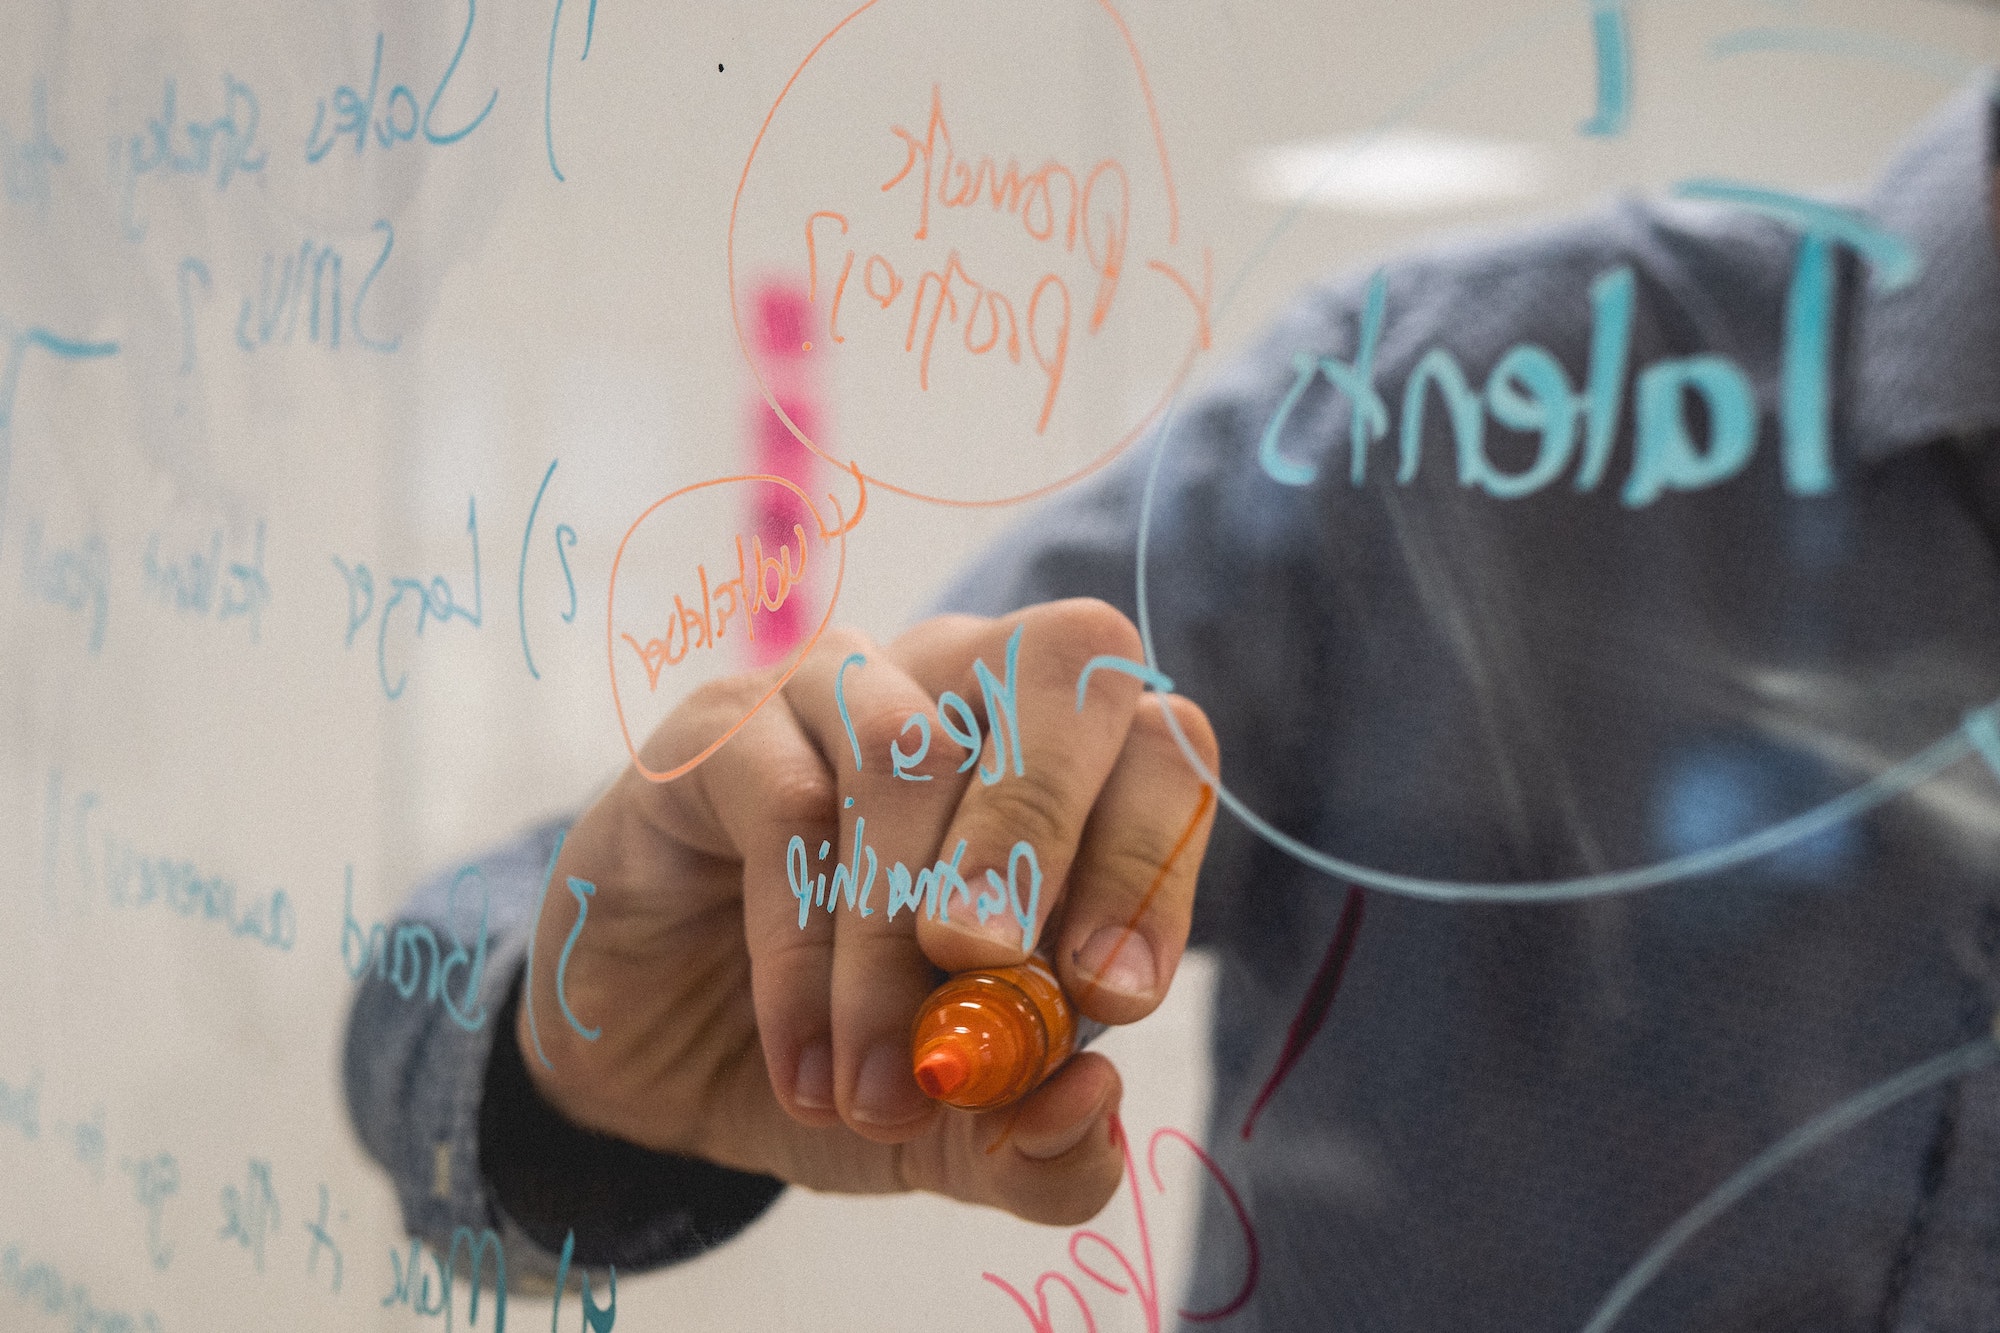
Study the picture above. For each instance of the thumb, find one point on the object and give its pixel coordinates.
(1053, 1157)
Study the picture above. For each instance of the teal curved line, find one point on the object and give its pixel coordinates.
(549, 79)
(521, 583)
(1983, 731)
(1139, 671)
(1974, 1055)
(1883, 787)
(69, 349)
(17, 341)
(1613, 43)
(840, 702)
(583, 889)
(549, 87)
(1945, 66)
(528, 986)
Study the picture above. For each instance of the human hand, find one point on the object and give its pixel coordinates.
(732, 1033)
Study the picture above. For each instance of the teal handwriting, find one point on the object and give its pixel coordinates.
(20, 1106)
(41, 1285)
(433, 601)
(155, 1180)
(393, 119)
(131, 879)
(956, 719)
(595, 1319)
(1529, 391)
(250, 1215)
(26, 163)
(1612, 43)
(582, 889)
(76, 578)
(311, 284)
(563, 530)
(202, 585)
(412, 958)
(220, 149)
(413, 1289)
(134, 879)
(322, 1239)
(929, 889)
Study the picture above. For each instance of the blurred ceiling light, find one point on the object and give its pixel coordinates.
(1400, 172)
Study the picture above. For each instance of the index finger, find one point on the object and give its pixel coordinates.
(1005, 860)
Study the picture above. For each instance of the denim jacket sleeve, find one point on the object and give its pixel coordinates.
(440, 1096)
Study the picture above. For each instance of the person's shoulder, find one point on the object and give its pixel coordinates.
(1705, 275)
(1703, 278)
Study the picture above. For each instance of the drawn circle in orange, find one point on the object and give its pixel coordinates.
(1196, 343)
(804, 649)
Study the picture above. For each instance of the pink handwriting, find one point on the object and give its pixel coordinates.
(1146, 1287)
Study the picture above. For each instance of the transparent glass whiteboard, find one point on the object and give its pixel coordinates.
(352, 361)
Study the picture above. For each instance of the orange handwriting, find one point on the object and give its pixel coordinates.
(1033, 198)
(1053, 208)
(884, 285)
(762, 583)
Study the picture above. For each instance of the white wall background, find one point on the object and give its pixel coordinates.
(588, 322)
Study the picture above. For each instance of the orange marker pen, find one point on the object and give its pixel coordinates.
(991, 1036)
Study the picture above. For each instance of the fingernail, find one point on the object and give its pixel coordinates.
(1048, 1149)
(813, 1088)
(1119, 960)
(1002, 931)
(885, 1093)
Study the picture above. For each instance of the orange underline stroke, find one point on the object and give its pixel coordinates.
(1196, 345)
(1201, 809)
(804, 651)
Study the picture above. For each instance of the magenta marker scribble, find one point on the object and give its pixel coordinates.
(1319, 999)
(784, 337)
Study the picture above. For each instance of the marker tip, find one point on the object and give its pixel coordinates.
(942, 1071)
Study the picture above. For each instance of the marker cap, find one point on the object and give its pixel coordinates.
(989, 1037)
